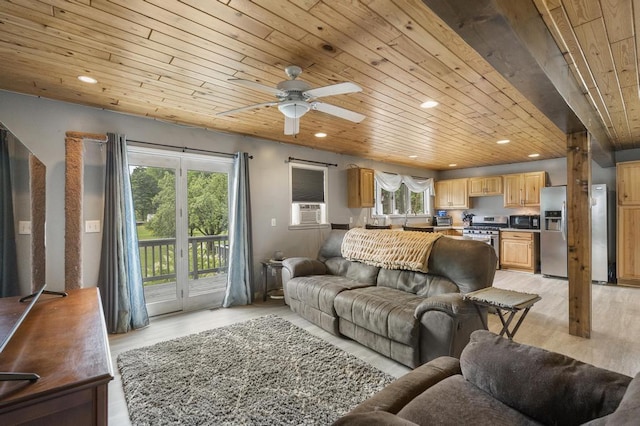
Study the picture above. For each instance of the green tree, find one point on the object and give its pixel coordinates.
(208, 203)
(144, 187)
(163, 222)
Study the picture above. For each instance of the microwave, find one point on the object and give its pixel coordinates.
(524, 221)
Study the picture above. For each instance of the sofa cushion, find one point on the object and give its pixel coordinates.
(416, 282)
(383, 311)
(468, 263)
(373, 418)
(455, 401)
(362, 273)
(523, 376)
(319, 291)
(337, 266)
(332, 246)
(628, 412)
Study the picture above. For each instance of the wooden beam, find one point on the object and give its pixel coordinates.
(514, 39)
(579, 233)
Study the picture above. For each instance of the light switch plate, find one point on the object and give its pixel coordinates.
(24, 227)
(91, 226)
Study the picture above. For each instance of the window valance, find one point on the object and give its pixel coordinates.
(392, 182)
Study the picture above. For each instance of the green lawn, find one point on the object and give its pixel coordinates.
(144, 233)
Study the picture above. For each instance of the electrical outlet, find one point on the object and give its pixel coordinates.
(350, 219)
(273, 221)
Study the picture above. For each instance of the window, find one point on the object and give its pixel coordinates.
(308, 185)
(401, 201)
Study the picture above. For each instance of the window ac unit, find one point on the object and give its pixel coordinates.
(309, 213)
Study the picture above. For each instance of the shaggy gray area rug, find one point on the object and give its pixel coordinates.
(264, 371)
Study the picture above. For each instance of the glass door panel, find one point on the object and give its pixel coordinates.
(153, 184)
(182, 213)
(207, 224)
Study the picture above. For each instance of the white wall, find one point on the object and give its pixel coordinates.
(41, 125)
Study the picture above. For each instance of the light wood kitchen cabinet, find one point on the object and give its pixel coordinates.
(628, 179)
(360, 188)
(520, 251)
(628, 233)
(452, 194)
(523, 189)
(484, 186)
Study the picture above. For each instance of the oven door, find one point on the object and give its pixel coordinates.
(478, 237)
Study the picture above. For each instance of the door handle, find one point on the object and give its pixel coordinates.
(563, 219)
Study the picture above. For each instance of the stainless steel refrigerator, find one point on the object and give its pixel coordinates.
(553, 231)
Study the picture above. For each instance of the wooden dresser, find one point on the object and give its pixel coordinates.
(64, 341)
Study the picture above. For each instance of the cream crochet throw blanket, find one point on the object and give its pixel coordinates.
(389, 249)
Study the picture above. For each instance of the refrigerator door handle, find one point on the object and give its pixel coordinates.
(563, 221)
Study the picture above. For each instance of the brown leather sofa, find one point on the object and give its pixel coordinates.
(501, 382)
(411, 317)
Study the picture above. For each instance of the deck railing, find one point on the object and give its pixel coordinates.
(207, 255)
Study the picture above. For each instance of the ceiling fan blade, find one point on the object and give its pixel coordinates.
(334, 89)
(356, 117)
(291, 126)
(257, 86)
(233, 111)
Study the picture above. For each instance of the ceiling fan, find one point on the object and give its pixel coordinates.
(296, 98)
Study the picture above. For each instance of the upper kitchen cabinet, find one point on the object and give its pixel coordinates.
(628, 178)
(487, 185)
(452, 194)
(360, 188)
(523, 189)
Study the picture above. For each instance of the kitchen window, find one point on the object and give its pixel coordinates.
(308, 195)
(394, 195)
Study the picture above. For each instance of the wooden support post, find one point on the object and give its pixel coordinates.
(579, 233)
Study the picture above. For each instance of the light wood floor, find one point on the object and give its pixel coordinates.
(614, 342)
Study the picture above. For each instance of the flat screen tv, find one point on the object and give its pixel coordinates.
(15, 310)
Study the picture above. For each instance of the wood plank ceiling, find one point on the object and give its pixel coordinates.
(172, 60)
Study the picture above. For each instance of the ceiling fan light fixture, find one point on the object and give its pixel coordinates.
(294, 109)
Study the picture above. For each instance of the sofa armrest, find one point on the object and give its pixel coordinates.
(451, 303)
(302, 266)
(403, 390)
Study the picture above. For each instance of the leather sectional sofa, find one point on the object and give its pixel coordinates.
(500, 382)
(411, 317)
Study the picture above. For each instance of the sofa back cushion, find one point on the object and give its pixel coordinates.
(337, 266)
(332, 246)
(546, 386)
(416, 282)
(468, 263)
(628, 412)
(362, 273)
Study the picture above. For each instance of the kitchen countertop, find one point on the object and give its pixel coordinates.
(520, 230)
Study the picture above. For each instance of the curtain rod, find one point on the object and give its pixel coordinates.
(311, 161)
(184, 148)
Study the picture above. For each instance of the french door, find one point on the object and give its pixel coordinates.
(182, 213)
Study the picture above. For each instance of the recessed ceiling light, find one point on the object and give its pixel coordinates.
(320, 135)
(534, 155)
(503, 141)
(428, 104)
(452, 165)
(413, 156)
(87, 79)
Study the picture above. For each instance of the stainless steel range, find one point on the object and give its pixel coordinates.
(487, 229)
